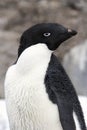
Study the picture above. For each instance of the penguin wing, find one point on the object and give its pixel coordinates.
(62, 93)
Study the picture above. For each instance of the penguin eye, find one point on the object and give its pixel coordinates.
(47, 34)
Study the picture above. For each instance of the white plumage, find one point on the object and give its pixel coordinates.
(28, 104)
(4, 120)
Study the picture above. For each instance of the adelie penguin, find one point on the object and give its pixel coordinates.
(39, 94)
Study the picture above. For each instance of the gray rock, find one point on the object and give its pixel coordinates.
(3, 22)
(75, 63)
(8, 52)
(75, 4)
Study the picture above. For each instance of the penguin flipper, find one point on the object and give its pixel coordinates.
(66, 114)
(62, 93)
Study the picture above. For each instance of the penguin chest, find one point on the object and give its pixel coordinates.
(28, 104)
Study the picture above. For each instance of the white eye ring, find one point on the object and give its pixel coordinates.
(47, 34)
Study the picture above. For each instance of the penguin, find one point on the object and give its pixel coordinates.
(39, 94)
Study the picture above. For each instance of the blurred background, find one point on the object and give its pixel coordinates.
(18, 15)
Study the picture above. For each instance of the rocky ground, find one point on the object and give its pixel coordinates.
(17, 15)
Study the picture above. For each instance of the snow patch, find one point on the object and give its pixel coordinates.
(4, 125)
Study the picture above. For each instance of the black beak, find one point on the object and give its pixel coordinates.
(65, 36)
(72, 32)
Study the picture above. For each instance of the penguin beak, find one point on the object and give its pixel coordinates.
(71, 32)
(65, 36)
(68, 34)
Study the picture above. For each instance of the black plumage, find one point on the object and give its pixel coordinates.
(62, 93)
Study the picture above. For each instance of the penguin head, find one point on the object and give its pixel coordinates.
(51, 34)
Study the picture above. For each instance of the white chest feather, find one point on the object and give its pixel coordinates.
(28, 105)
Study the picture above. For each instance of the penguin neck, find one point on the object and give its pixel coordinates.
(33, 57)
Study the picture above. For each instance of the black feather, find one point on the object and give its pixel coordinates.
(62, 93)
